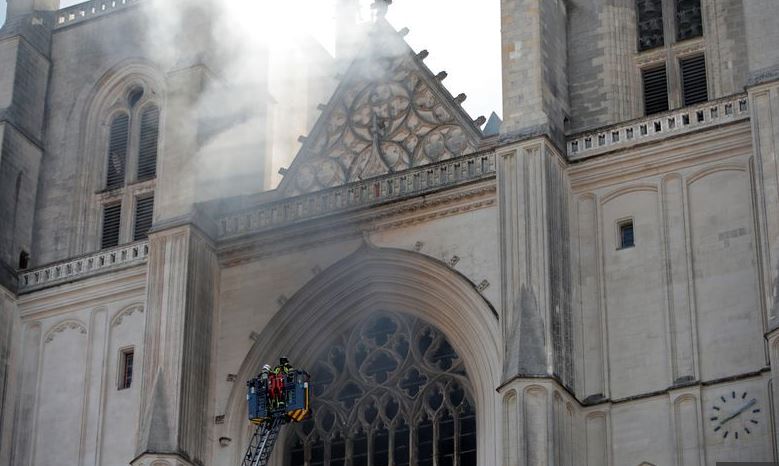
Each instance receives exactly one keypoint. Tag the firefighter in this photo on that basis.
(276, 387)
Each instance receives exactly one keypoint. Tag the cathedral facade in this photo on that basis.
(591, 281)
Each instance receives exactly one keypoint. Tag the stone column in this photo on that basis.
(539, 422)
(773, 348)
(9, 330)
(27, 374)
(535, 81)
(535, 276)
(763, 89)
(762, 40)
(181, 293)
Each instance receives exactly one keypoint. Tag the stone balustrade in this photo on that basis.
(392, 187)
(113, 259)
(654, 127)
(90, 9)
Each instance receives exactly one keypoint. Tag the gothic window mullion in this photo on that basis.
(413, 445)
(456, 421)
(386, 381)
(436, 436)
(371, 437)
(349, 451)
(391, 453)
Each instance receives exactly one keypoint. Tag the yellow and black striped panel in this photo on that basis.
(298, 415)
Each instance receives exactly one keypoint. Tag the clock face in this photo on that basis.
(734, 415)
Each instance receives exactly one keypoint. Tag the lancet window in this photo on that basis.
(390, 390)
(127, 201)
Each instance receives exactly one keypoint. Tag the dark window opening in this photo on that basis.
(117, 151)
(626, 235)
(24, 260)
(694, 88)
(147, 148)
(423, 417)
(134, 96)
(111, 220)
(144, 210)
(655, 90)
(650, 24)
(126, 369)
(689, 21)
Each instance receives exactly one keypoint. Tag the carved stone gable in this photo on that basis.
(388, 114)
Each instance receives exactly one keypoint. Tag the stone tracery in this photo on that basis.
(388, 118)
(394, 389)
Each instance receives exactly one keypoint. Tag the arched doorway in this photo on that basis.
(390, 389)
(417, 290)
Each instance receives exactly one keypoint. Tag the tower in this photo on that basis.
(21, 7)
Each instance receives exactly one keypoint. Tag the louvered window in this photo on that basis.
(117, 151)
(694, 80)
(650, 24)
(111, 219)
(655, 90)
(147, 149)
(144, 209)
(689, 22)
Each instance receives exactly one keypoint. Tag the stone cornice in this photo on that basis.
(413, 183)
(88, 10)
(352, 225)
(659, 127)
(665, 155)
(94, 291)
(107, 260)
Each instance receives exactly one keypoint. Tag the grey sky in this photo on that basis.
(462, 36)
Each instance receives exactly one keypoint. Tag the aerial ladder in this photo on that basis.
(275, 397)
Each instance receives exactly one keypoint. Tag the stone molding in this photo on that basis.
(158, 459)
(658, 127)
(69, 324)
(351, 225)
(88, 10)
(108, 260)
(410, 183)
(404, 280)
(126, 312)
(663, 157)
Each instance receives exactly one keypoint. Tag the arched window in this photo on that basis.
(131, 168)
(147, 147)
(118, 139)
(389, 390)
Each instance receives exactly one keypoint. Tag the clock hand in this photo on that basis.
(751, 403)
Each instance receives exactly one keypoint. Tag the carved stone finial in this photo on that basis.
(441, 76)
(480, 121)
(460, 98)
(403, 32)
(381, 7)
(423, 54)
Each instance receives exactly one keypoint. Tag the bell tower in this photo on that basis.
(22, 7)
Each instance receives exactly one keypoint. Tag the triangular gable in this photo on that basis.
(388, 114)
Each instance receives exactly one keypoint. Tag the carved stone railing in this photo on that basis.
(353, 196)
(655, 127)
(87, 10)
(113, 259)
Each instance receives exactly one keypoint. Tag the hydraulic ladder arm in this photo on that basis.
(262, 442)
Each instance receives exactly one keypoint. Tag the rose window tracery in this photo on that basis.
(391, 390)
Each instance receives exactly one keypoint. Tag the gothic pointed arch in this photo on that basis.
(109, 130)
(412, 292)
